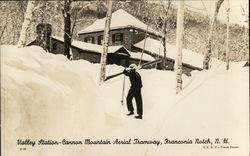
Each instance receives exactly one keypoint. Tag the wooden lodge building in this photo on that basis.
(125, 30)
(92, 52)
(127, 41)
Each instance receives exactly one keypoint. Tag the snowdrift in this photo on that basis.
(213, 104)
(45, 96)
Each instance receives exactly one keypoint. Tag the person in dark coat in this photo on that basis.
(134, 91)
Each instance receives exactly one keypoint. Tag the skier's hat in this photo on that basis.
(133, 66)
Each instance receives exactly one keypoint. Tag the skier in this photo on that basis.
(134, 91)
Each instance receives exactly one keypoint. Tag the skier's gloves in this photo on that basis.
(127, 69)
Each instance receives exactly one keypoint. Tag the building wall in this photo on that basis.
(130, 37)
(85, 55)
(126, 37)
(186, 70)
(81, 37)
(57, 48)
(136, 61)
(94, 57)
(119, 59)
(139, 35)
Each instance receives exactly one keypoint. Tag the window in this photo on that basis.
(89, 39)
(100, 39)
(117, 38)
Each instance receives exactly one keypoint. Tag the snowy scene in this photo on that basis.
(132, 78)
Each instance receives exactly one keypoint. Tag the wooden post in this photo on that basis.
(105, 44)
(179, 42)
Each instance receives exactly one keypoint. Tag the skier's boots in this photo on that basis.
(138, 117)
(130, 113)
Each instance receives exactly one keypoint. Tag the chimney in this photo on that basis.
(43, 31)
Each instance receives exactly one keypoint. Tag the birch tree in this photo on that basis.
(166, 10)
(208, 54)
(26, 24)
(179, 42)
(105, 43)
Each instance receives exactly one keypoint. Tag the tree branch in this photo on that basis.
(3, 29)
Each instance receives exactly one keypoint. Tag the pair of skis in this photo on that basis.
(141, 67)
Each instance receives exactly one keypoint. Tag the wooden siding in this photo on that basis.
(129, 38)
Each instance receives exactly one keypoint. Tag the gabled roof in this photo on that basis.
(189, 57)
(92, 47)
(137, 55)
(111, 49)
(119, 19)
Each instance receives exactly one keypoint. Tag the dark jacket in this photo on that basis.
(135, 79)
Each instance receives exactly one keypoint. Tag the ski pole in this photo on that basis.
(123, 87)
(141, 67)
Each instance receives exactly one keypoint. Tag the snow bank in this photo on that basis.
(45, 96)
(213, 104)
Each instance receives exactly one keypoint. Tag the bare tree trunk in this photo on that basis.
(14, 32)
(165, 33)
(227, 50)
(2, 32)
(164, 44)
(26, 24)
(105, 44)
(179, 42)
(208, 54)
(67, 29)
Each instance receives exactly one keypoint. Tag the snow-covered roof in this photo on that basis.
(99, 49)
(120, 19)
(188, 57)
(137, 55)
(90, 47)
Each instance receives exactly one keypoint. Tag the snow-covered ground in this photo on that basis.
(45, 96)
